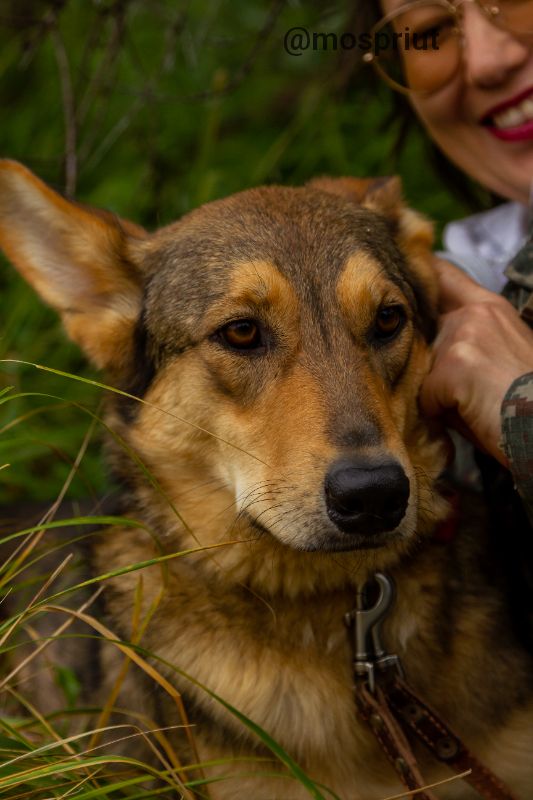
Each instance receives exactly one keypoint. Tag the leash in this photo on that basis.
(390, 707)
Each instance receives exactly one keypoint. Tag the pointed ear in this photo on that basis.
(413, 234)
(351, 188)
(385, 195)
(381, 194)
(412, 231)
(80, 261)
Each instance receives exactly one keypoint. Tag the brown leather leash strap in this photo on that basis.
(441, 741)
(390, 706)
(374, 709)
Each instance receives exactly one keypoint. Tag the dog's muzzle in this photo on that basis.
(366, 496)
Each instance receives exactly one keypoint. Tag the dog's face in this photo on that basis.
(284, 333)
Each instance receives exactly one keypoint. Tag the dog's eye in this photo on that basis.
(389, 321)
(243, 334)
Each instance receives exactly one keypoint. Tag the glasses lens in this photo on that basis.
(418, 48)
(515, 16)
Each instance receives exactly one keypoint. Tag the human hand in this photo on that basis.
(481, 348)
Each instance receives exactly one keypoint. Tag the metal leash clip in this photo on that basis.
(370, 659)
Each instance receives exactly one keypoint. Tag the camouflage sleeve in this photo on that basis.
(517, 436)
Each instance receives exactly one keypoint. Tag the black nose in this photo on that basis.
(366, 496)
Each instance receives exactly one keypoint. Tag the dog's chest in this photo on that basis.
(287, 666)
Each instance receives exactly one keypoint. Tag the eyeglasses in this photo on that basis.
(418, 47)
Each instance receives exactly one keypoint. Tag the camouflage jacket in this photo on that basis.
(517, 406)
(517, 436)
(483, 245)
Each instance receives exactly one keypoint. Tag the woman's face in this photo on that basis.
(482, 119)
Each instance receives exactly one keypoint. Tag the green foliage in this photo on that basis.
(69, 684)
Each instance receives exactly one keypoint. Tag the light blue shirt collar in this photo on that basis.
(483, 244)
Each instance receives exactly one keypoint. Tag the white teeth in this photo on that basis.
(518, 115)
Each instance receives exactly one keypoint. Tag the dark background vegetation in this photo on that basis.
(149, 108)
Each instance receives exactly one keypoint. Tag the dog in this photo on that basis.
(276, 341)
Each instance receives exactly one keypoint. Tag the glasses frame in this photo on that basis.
(490, 10)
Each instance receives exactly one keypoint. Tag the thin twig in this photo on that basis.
(69, 112)
(414, 792)
(103, 72)
(61, 629)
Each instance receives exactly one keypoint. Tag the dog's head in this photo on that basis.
(282, 331)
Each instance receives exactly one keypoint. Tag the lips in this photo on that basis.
(512, 120)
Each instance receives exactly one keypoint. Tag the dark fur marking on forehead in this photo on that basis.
(307, 234)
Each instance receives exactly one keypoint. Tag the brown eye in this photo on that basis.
(389, 321)
(243, 334)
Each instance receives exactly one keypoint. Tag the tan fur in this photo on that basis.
(238, 447)
(75, 259)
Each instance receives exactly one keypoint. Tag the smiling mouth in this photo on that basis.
(515, 116)
(511, 118)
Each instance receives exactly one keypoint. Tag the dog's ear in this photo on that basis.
(382, 194)
(351, 188)
(414, 236)
(412, 231)
(80, 261)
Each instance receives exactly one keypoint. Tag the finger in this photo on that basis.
(435, 396)
(457, 288)
(449, 331)
(434, 404)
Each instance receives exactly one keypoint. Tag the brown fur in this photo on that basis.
(240, 445)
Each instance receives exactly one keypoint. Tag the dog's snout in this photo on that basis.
(365, 496)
